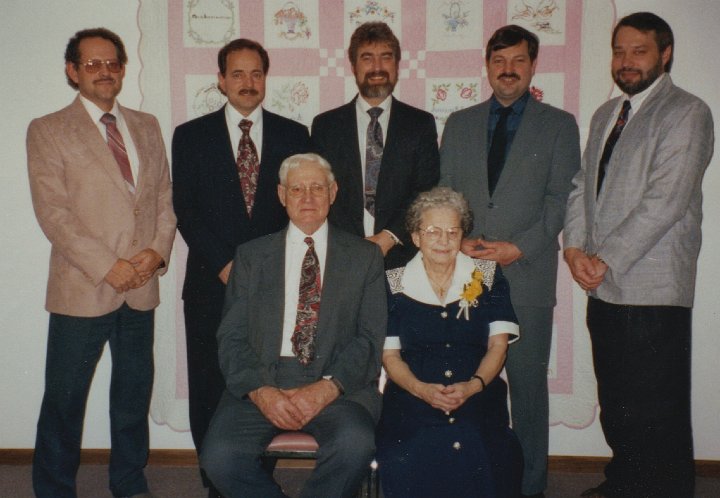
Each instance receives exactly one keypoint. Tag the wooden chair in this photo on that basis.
(296, 444)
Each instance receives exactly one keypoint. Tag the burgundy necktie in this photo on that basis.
(117, 147)
(308, 309)
(248, 165)
(611, 141)
(373, 158)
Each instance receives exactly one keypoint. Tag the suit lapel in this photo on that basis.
(272, 286)
(531, 120)
(83, 125)
(336, 263)
(349, 142)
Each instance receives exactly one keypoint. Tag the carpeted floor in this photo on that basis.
(184, 482)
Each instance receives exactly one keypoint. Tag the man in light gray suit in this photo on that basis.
(300, 344)
(513, 158)
(632, 237)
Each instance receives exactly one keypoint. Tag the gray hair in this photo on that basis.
(296, 160)
(439, 197)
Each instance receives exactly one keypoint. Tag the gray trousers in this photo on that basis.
(239, 433)
(526, 368)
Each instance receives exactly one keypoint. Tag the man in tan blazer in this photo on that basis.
(102, 195)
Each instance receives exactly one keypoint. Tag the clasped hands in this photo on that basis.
(587, 270)
(292, 409)
(133, 273)
(446, 398)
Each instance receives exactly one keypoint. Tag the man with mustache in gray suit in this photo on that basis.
(632, 237)
(515, 172)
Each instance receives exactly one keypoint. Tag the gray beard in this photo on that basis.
(375, 91)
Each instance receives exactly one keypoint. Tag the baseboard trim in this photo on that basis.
(188, 458)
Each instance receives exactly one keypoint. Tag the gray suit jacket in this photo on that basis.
(528, 205)
(645, 223)
(351, 327)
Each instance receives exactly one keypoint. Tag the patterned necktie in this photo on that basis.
(373, 158)
(611, 141)
(117, 147)
(308, 309)
(496, 156)
(248, 165)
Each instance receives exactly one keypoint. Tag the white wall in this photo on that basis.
(33, 34)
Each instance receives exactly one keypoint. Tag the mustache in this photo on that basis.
(509, 75)
(628, 70)
(373, 74)
(100, 80)
(248, 91)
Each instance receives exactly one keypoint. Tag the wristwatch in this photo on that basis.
(336, 382)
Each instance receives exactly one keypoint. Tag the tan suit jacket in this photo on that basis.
(87, 212)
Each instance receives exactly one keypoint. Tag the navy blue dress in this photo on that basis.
(472, 452)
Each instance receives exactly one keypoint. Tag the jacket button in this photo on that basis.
(491, 205)
(443, 314)
(451, 420)
(448, 373)
(136, 211)
(457, 445)
(134, 242)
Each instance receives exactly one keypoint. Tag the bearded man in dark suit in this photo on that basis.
(381, 163)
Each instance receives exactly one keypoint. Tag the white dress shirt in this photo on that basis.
(295, 249)
(363, 121)
(233, 118)
(96, 113)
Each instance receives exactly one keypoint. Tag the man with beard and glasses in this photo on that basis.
(383, 152)
(225, 168)
(632, 237)
(514, 158)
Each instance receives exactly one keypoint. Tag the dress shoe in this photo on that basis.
(536, 495)
(147, 494)
(214, 493)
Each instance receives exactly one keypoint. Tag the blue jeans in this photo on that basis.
(75, 344)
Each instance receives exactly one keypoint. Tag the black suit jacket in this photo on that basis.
(208, 200)
(410, 165)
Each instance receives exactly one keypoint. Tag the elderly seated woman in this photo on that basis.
(444, 426)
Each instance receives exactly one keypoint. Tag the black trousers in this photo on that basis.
(641, 356)
(75, 344)
(205, 380)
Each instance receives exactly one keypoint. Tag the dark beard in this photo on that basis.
(643, 83)
(370, 91)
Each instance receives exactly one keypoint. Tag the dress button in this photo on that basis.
(134, 242)
(457, 445)
(448, 373)
(451, 420)
(443, 314)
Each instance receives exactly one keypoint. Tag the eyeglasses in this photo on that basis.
(315, 189)
(93, 65)
(433, 233)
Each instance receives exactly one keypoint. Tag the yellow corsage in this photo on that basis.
(471, 291)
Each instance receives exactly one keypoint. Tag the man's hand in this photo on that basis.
(277, 407)
(313, 398)
(384, 240)
(123, 276)
(224, 274)
(146, 263)
(504, 253)
(587, 271)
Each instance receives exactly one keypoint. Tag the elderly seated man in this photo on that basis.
(300, 345)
